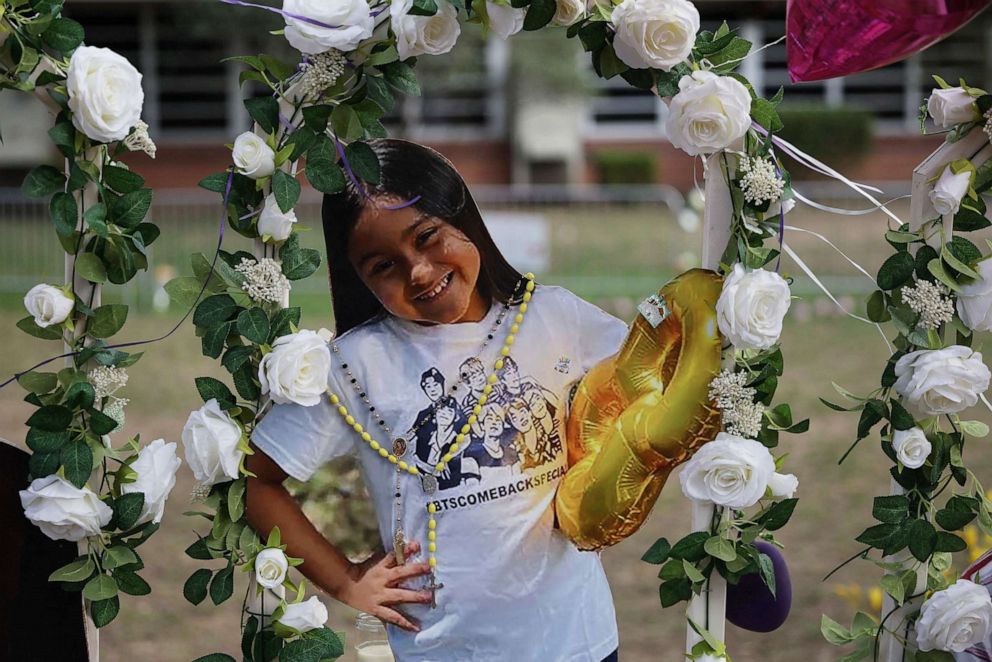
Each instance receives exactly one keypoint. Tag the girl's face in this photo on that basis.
(420, 267)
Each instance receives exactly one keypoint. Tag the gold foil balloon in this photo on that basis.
(639, 414)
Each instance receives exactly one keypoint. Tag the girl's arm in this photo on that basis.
(372, 586)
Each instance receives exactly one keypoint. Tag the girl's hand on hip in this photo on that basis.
(375, 587)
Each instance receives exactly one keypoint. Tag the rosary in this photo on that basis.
(401, 444)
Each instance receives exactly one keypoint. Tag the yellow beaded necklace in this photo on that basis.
(399, 447)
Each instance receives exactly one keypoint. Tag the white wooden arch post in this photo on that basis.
(974, 147)
(709, 608)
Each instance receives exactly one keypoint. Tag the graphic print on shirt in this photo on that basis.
(515, 432)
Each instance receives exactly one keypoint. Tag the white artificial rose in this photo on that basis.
(210, 441)
(504, 19)
(955, 619)
(253, 157)
(273, 223)
(975, 299)
(63, 511)
(952, 106)
(351, 20)
(941, 381)
(568, 12)
(271, 566)
(728, 471)
(709, 113)
(105, 94)
(912, 447)
(156, 467)
(424, 35)
(654, 34)
(751, 307)
(950, 190)
(48, 305)
(296, 369)
(307, 615)
(783, 486)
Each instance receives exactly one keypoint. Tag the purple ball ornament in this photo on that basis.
(751, 606)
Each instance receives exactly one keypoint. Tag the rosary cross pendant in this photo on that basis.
(434, 588)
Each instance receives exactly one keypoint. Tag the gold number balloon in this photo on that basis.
(639, 414)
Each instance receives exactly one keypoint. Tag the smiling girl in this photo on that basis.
(477, 568)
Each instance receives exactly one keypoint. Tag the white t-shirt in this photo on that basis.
(515, 588)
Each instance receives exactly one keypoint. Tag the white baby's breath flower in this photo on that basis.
(139, 140)
(264, 280)
(931, 302)
(107, 379)
(988, 123)
(760, 182)
(320, 71)
(200, 492)
(741, 414)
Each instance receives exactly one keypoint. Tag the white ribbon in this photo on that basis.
(844, 212)
(820, 167)
(809, 272)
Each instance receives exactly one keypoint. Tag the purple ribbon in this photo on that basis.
(135, 343)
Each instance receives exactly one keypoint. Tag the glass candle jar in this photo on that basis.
(370, 643)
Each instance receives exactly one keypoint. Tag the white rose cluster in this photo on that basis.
(504, 19)
(912, 447)
(156, 467)
(955, 619)
(63, 511)
(252, 157)
(297, 367)
(348, 23)
(273, 222)
(709, 113)
(735, 472)
(975, 299)
(568, 12)
(751, 307)
(950, 190)
(941, 381)
(424, 35)
(304, 616)
(952, 106)
(271, 566)
(654, 34)
(210, 441)
(48, 304)
(105, 94)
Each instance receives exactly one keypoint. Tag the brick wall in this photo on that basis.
(488, 162)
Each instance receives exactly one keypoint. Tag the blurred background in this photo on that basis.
(579, 184)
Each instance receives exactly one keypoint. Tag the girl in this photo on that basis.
(478, 572)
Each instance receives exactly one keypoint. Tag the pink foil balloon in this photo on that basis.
(830, 38)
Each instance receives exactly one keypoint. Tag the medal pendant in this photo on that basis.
(399, 547)
(428, 483)
(399, 447)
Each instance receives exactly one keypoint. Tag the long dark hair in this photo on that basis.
(408, 170)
